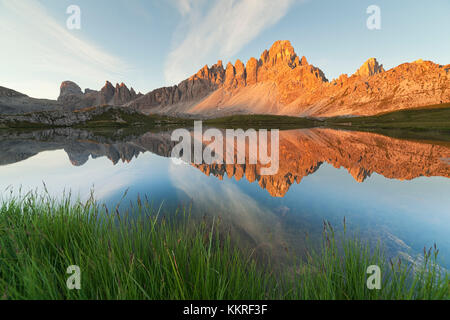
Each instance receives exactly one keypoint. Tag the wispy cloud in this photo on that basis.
(33, 41)
(221, 26)
(183, 6)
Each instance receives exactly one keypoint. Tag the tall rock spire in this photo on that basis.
(370, 68)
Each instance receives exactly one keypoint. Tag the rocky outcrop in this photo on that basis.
(251, 71)
(230, 75)
(370, 68)
(188, 92)
(106, 93)
(66, 118)
(69, 88)
(71, 95)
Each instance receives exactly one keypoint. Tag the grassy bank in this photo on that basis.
(141, 255)
(101, 117)
(258, 121)
(431, 122)
(428, 123)
(120, 119)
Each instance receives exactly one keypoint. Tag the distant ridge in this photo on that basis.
(279, 82)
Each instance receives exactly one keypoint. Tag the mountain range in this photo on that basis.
(279, 82)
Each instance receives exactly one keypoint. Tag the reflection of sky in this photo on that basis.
(416, 212)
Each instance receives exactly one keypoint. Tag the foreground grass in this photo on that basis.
(141, 255)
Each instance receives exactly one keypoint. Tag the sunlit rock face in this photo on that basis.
(369, 68)
(280, 82)
(301, 153)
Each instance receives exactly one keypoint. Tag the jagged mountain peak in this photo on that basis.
(281, 51)
(280, 65)
(72, 95)
(108, 85)
(370, 68)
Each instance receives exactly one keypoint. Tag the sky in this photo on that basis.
(152, 43)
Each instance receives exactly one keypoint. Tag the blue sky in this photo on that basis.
(152, 43)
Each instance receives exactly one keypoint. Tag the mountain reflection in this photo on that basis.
(302, 152)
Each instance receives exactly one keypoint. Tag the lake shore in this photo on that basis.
(427, 123)
(143, 255)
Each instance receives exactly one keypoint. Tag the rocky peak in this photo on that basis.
(251, 70)
(281, 52)
(304, 62)
(123, 95)
(108, 87)
(72, 96)
(203, 73)
(240, 73)
(106, 93)
(230, 75)
(217, 73)
(214, 75)
(70, 88)
(370, 68)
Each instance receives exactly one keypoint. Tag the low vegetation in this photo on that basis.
(118, 118)
(428, 123)
(95, 117)
(263, 121)
(431, 122)
(140, 255)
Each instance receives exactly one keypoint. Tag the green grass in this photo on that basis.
(427, 123)
(263, 121)
(123, 119)
(141, 255)
(431, 122)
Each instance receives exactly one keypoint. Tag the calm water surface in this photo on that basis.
(396, 191)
